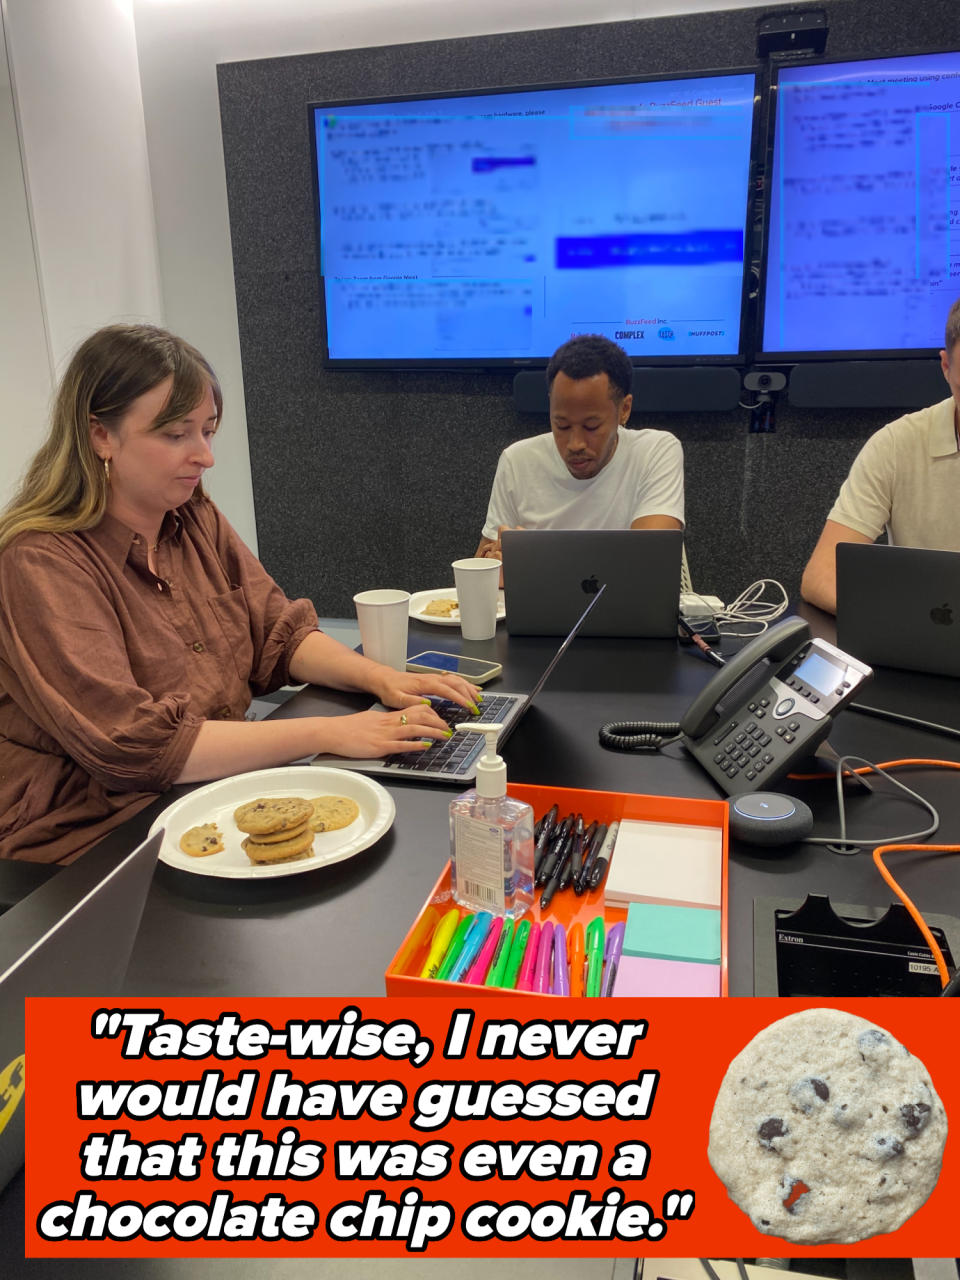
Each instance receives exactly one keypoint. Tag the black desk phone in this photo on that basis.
(770, 706)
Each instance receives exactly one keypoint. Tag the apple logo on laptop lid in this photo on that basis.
(942, 616)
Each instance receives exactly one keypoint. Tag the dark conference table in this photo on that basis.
(341, 925)
(333, 931)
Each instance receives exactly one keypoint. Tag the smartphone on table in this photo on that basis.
(476, 670)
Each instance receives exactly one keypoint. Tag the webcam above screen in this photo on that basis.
(487, 229)
(863, 236)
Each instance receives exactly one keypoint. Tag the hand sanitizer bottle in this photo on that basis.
(491, 839)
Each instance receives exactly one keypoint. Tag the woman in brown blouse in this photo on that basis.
(134, 623)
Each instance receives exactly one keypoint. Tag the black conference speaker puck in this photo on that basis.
(764, 817)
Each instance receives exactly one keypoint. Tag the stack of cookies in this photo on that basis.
(278, 829)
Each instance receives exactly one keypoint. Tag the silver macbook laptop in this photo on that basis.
(548, 573)
(72, 936)
(455, 759)
(899, 606)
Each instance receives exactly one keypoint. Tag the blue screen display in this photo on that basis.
(864, 234)
(496, 227)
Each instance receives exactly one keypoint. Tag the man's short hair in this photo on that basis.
(589, 354)
(952, 336)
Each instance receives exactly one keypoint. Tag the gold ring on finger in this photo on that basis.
(403, 719)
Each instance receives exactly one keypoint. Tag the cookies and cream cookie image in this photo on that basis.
(827, 1130)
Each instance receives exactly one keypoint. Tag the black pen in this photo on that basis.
(546, 823)
(550, 860)
(596, 844)
(540, 852)
(554, 882)
(599, 868)
(576, 862)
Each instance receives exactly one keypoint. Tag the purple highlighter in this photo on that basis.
(561, 977)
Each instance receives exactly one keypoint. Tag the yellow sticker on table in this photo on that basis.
(11, 1090)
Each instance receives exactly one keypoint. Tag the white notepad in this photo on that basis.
(665, 862)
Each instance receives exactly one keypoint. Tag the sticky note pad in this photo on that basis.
(639, 976)
(661, 932)
(665, 862)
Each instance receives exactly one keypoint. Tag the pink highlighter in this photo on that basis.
(543, 974)
(478, 970)
(525, 980)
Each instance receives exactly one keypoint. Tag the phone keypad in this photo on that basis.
(743, 752)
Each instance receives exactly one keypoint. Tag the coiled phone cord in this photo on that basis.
(638, 735)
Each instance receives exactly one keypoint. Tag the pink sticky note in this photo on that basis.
(640, 976)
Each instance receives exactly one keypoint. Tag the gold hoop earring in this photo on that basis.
(106, 469)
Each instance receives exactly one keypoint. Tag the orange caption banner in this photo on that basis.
(219, 1129)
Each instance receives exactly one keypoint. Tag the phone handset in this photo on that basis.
(771, 706)
(775, 646)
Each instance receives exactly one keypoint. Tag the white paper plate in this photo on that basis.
(217, 802)
(420, 601)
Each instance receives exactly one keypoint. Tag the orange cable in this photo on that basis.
(884, 764)
(881, 849)
(906, 900)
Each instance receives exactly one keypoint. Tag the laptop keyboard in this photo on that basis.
(453, 755)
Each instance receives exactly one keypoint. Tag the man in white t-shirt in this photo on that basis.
(905, 479)
(589, 471)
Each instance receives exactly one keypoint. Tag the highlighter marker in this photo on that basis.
(478, 970)
(455, 947)
(594, 945)
(576, 959)
(439, 943)
(471, 945)
(500, 957)
(561, 979)
(612, 951)
(517, 948)
(525, 980)
(543, 968)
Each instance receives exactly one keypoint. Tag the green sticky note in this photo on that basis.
(662, 932)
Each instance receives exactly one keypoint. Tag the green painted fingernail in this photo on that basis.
(425, 702)
(475, 709)
(427, 742)
(448, 734)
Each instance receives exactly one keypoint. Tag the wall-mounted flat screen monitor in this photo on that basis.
(489, 228)
(863, 240)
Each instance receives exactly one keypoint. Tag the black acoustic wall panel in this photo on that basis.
(375, 479)
(867, 384)
(677, 390)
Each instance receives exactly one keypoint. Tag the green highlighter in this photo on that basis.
(455, 947)
(515, 960)
(499, 962)
(594, 949)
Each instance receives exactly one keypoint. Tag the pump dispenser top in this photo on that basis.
(491, 837)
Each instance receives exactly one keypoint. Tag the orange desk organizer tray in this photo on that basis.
(402, 976)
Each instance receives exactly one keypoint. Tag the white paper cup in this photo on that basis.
(478, 581)
(383, 617)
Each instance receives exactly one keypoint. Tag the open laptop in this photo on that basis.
(547, 574)
(899, 606)
(455, 759)
(72, 936)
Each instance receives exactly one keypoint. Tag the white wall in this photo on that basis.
(120, 137)
(93, 257)
(25, 378)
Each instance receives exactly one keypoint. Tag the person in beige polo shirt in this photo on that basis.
(905, 479)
